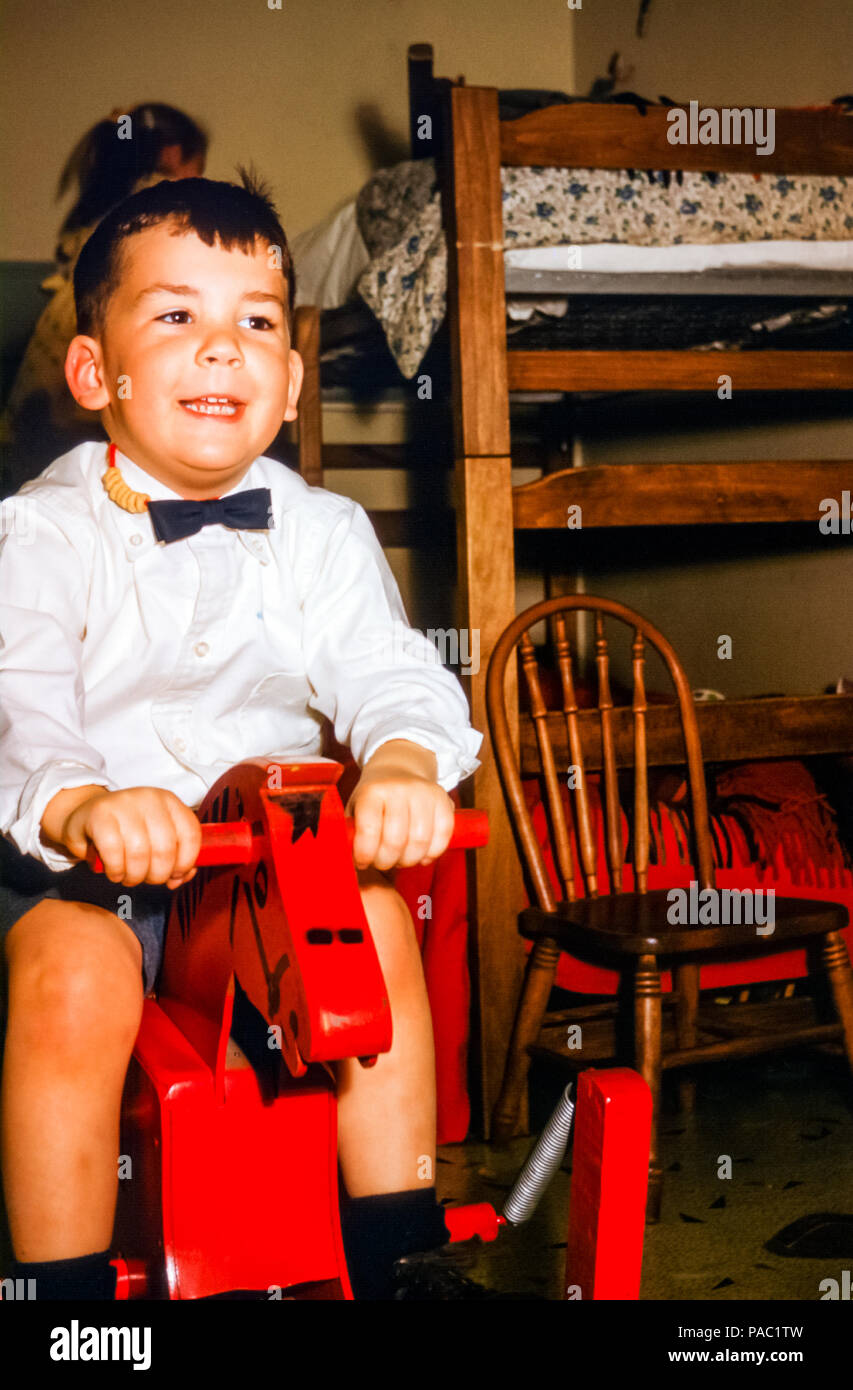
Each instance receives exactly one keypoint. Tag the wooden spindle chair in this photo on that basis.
(628, 930)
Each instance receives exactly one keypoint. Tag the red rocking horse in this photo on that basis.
(230, 1169)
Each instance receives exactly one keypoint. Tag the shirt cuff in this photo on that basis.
(455, 756)
(39, 791)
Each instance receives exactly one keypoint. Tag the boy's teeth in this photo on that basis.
(212, 405)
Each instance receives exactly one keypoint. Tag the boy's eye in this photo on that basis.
(254, 321)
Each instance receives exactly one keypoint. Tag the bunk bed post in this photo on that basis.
(309, 427)
(423, 101)
(471, 188)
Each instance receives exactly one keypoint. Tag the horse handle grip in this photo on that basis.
(231, 842)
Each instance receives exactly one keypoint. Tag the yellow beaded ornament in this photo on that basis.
(118, 490)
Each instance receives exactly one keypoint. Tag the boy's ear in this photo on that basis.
(297, 371)
(84, 372)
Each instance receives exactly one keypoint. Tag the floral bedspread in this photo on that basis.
(399, 216)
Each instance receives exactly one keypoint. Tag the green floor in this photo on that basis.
(786, 1123)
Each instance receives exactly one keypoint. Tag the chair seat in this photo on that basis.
(637, 924)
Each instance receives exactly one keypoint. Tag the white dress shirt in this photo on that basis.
(130, 662)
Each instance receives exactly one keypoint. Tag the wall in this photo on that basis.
(314, 92)
(754, 52)
(783, 595)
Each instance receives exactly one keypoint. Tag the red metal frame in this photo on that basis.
(610, 1174)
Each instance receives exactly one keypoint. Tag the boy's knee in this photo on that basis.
(74, 978)
(381, 901)
(392, 929)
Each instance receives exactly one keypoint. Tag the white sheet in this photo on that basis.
(330, 256)
(328, 259)
(610, 258)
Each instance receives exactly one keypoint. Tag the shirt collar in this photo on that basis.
(136, 529)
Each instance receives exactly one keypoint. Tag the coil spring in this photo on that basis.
(542, 1163)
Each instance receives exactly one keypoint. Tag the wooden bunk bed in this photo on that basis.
(473, 145)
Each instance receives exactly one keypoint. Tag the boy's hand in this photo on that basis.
(143, 834)
(402, 816)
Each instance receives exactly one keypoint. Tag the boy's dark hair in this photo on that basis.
(215, 211)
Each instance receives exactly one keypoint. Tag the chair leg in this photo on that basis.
(686, 983)
(647, 1045)
(538, 983)
(836, 963)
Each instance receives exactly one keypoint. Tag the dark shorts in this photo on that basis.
(24, 881)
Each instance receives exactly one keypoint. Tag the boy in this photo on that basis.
(142, 657)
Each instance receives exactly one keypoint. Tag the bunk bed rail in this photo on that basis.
(589, 135)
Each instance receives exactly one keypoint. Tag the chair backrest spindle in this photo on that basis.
(583, 818)
(641, 770)
(539, 713)
(613, 820)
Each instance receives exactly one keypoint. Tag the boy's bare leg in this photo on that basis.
(386, 1113)
(75, 1003)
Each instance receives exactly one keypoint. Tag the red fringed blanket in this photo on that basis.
(771, 828)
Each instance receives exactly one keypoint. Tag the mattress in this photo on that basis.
(399, 216)
(609, 258)
(555, 280)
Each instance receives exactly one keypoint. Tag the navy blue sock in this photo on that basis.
(379, 1230)
(86, 1277)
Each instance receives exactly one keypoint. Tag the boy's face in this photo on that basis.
(190, 321)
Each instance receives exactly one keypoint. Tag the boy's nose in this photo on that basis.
(221, 348)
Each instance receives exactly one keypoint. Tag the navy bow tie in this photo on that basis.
(243, 511)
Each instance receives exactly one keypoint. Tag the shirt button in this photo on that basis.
(136, 539)
(180, 745)
(201, 649)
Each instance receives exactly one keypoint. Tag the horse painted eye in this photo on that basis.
(261, 884)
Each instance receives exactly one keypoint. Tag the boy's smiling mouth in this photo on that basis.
(215, 407)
